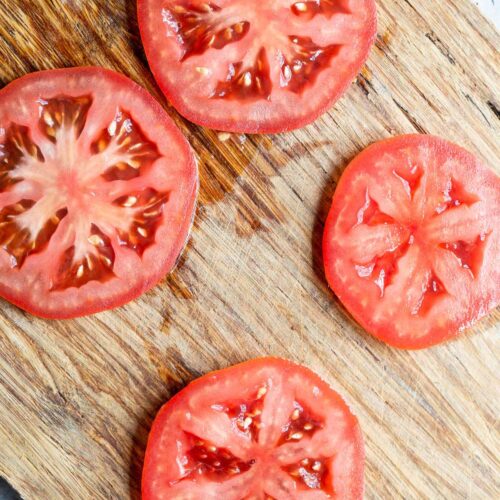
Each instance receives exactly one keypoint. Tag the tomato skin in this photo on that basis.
(355, 474)
(335, 257)
(90, 305)
(277, 124)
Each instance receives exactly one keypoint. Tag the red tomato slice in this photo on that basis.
(97, 192)
(265, 429)
(255, 65)
(412, 242)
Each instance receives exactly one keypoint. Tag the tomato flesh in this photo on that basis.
(97, 192)
(411, 244)
(266, 429)
(255, 66)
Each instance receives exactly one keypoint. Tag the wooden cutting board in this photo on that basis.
(77, 397)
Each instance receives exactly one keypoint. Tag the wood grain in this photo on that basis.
(77, 397)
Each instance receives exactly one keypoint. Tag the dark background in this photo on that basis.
(7, 492)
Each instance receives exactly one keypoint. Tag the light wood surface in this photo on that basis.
(77, 398)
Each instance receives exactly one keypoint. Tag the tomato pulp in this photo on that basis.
(97, 192)
(265, 429)
(255, 66)
(412, 242)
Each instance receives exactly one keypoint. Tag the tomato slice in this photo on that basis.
(412, 242)
(265, 429)
(255, 66)
(97, 192)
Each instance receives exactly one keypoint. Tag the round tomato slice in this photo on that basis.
(97, 192)
(265, 429)
(412, 242)
(255, 66)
